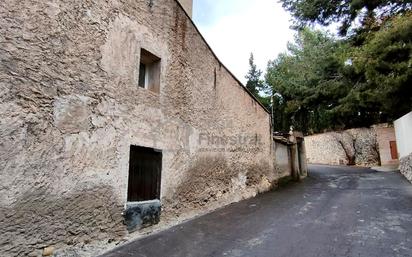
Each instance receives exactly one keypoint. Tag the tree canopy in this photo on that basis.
(350, 14)
(309, 82)
(255, 84)
(325, 83)
(385, 63)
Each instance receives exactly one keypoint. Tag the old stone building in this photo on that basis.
(112, 111)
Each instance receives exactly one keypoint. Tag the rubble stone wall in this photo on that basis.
(350, 147)
(406, 166)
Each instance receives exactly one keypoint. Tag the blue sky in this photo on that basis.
(235, 28)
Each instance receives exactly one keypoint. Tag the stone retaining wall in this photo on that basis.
(406, 167)
(350, 147)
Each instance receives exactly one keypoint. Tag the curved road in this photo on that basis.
(336, 211)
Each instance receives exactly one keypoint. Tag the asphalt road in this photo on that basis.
(336, 211)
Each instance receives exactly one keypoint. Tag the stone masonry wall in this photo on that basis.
(70, 108)
(406, 167)
(350, 147)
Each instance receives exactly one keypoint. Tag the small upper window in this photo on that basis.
(149, 71)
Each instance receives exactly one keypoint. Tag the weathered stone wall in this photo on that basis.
(283, 159)
(405, 166)
(350, 147)
(70, 108)
(290, 156)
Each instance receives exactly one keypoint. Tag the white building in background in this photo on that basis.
(403, 130)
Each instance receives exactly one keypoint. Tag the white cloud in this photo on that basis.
(259, 26)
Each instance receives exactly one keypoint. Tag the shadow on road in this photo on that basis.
(336, 211)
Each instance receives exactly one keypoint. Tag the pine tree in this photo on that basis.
(254, 82)
(368, 13)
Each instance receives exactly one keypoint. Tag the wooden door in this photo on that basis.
(394, 150)
(145, 167)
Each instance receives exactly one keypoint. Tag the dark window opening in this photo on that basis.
(149, 71)
(145, 167)
(142, 75)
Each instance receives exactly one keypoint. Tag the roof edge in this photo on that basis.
(220, 63)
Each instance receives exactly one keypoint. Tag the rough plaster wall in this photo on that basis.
(353, 146)
(40, 219)
(406, 167)
(213, 178)
(70, 108)
(282, 158)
